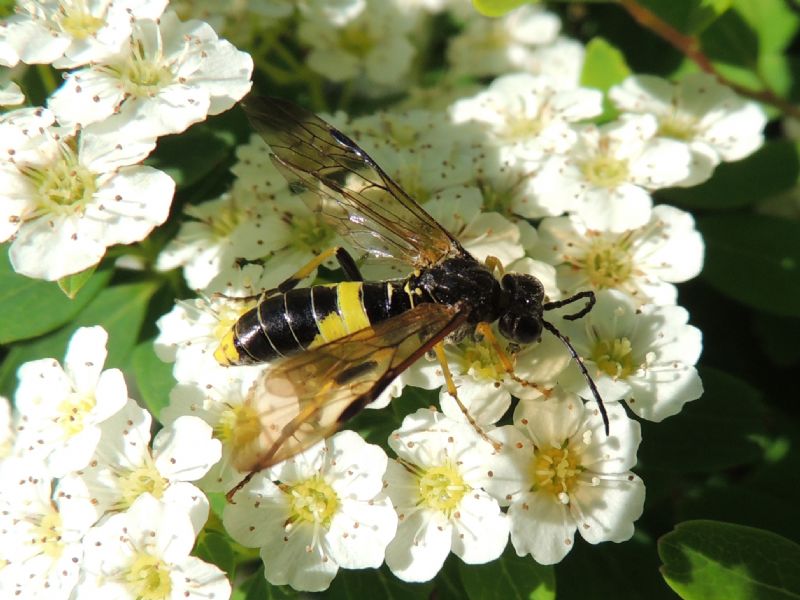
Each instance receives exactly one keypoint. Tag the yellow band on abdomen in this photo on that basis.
(351, 307)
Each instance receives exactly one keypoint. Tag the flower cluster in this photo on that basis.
(521, 165)
(73, 179)
(90, 505)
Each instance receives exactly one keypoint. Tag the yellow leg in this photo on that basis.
(485, 330)
(494, 263)
(451, 389)
(342, 256)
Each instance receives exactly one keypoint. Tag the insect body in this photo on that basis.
(340, 345)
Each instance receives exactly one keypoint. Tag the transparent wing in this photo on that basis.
(356, 195)
(305, 398)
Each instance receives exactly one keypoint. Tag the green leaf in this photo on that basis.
(709, 560)
(31, 307)
(689, 16)
(604, 67)
(754, 259)
(703, 13)
(191, 156)
(449, 585)
(375, 583)
(766, 506)
(72, 284)
(626, 571)
(774, 21)
(497, 8)
(153, 377)
(730, 39)
(773, 169)
(510, 576)
(119, 309)
(256, 587)
(778, 337)
(727, 418)
(214, 547)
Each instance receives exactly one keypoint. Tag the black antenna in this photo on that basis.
(552, 329)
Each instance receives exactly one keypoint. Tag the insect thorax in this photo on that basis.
(464, 281)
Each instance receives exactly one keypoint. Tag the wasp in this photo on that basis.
(336, 347)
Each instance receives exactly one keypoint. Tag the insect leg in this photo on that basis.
(342, 256)
(451, 388)
(485, 330)
(494, 263)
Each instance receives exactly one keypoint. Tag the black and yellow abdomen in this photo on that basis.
(287, 323)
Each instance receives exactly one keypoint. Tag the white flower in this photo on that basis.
(123, 466)
(606, 176)
(144, 553)
(72, 33)
(483, 234)
(10, 93)
(645, 356)
(191, 332)
(527, 116)
(480, 375)
(224, 403)
(41, 551)
(560, 473)
(715, 123)
(255, 170)
(221, 231)
(6, 428)
(420, 149)
(235, 18)
(61, 409)
(338, 12)
(497, 46)
(373, 46)
(435, 487)
(324, 513)
(562, 61)
(642, 262)
(168, 76)
(66, 197)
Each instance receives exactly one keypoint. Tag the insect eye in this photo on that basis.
(520, 328)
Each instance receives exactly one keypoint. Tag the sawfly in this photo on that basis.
(335, 347)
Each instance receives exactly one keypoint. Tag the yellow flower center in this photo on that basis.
(148, 578)
(78, 22)
(605, 171)
(47, 535)
(238, 427)
(64, 186)
(677, 127)
(225, 220)
(145, 479)
(312, 501)
(310, 234)
(614, 357)
(520, 128)
(442, 488)
(555, 471)
(72, 411)
(357, 40)
(141, 76)
(481, 359)
(607, 264)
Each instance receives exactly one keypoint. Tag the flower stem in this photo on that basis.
(689, 45)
